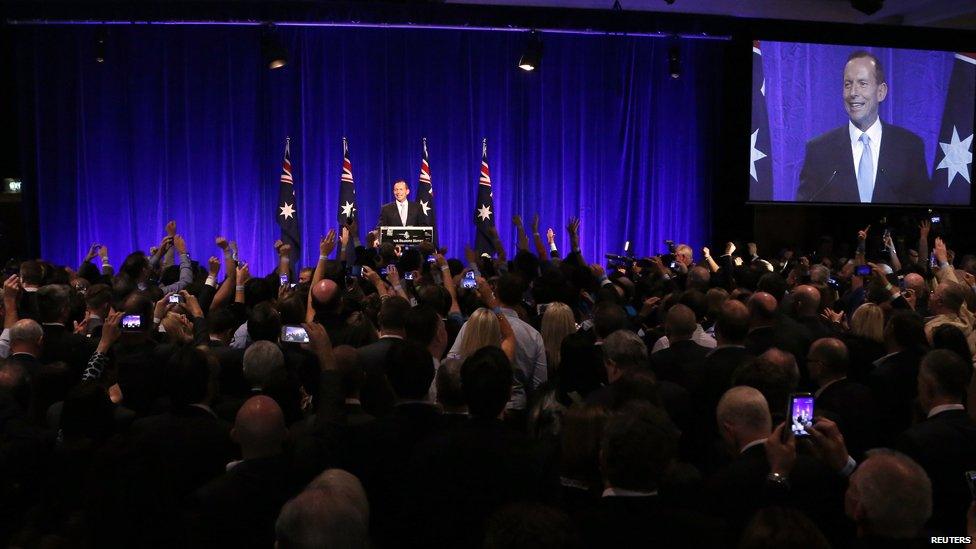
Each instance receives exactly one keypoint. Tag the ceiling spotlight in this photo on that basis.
(272, 50)
(674, 62)
(867, 7)
(101, 36)
(532, 54)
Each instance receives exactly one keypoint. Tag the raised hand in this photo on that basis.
(924, 226)
(550, 236)
(243, 274)
(517, 221)
(573, 226)
(92, 252)
(320, 344)
(862, 235)
(828, 443)
(180, 244)
(11, 288)
(277, 245)
(284, 250)
(706, 252)
(598, 270)
(535, 224)
(171, 228)
(221, 243)
(889, 244)
(328, 243)
(392, 275)
(111, 330)
(470, 255)
(103, 252)
(213, 266)
(941, 254)
(729, 248)
(344, 236)
(372, 276)
(831, 316)
(780, 453)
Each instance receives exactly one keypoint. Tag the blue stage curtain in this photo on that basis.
(184, 123)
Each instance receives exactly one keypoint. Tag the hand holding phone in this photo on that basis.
(293, 333)
(176, 298)
(468, 282)
(800, 414)
(131, 323)
(863, 270)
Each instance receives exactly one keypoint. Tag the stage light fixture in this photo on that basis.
(101, 36)
(532, 54)
(274, 52)
(867, 7)
(674, 62)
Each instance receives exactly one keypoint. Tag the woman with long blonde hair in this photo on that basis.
(557, 323)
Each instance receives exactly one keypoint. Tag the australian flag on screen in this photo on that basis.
(425, 192)
(347, 192)
(760, 162)
(287, 212)
(953, 171)
(484, 214)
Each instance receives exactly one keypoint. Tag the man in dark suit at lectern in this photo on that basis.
(865, 161)
(400, 212)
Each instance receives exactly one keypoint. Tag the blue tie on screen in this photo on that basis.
(865, 170)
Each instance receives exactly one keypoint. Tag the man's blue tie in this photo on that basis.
(865, 171)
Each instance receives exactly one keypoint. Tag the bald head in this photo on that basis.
(25, 337)
(827, 359)
(680, 323)
(699, 278)
(743, 416)
(325, 291)
(806, 300)
(259, 427)
(889, 495)
(916, 282)
(762, 309)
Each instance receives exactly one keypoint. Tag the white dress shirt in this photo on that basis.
(402, 208)
(857, 147)
(700, 337)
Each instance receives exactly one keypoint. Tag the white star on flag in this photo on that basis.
(287, 211)
(347, 209)
(484, 212)
(957, 157)
(756, 154)
(762, 89)
(425, 206)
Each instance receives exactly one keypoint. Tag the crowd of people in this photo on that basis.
(392, 397)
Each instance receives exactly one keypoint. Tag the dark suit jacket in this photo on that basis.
(741, 489)
(239, 508)
(828, 169)
(894, 382)
(682, 363)
(851, 405)
(377, 395)
(644, 521)
(390, 215)
(61, 344)
(945, 446)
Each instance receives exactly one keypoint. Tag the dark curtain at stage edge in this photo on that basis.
(184, 123)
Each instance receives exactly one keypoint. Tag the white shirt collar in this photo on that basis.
(874, 132)
(945, 408)
(828, 384)
(624, 493)
(756, 442)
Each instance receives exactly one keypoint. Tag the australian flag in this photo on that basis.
(484, 216)
(287, 212)
(760, 162)
(953, 172)
(425, 192)
(347, 192)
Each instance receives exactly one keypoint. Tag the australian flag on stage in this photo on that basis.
(760, 161)
(425, 192)
(484, 216)
(286, 213)
(347, 192)
(953, 172)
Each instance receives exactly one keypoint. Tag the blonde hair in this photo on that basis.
(557, 323)
(868, 322)
(482, 330)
